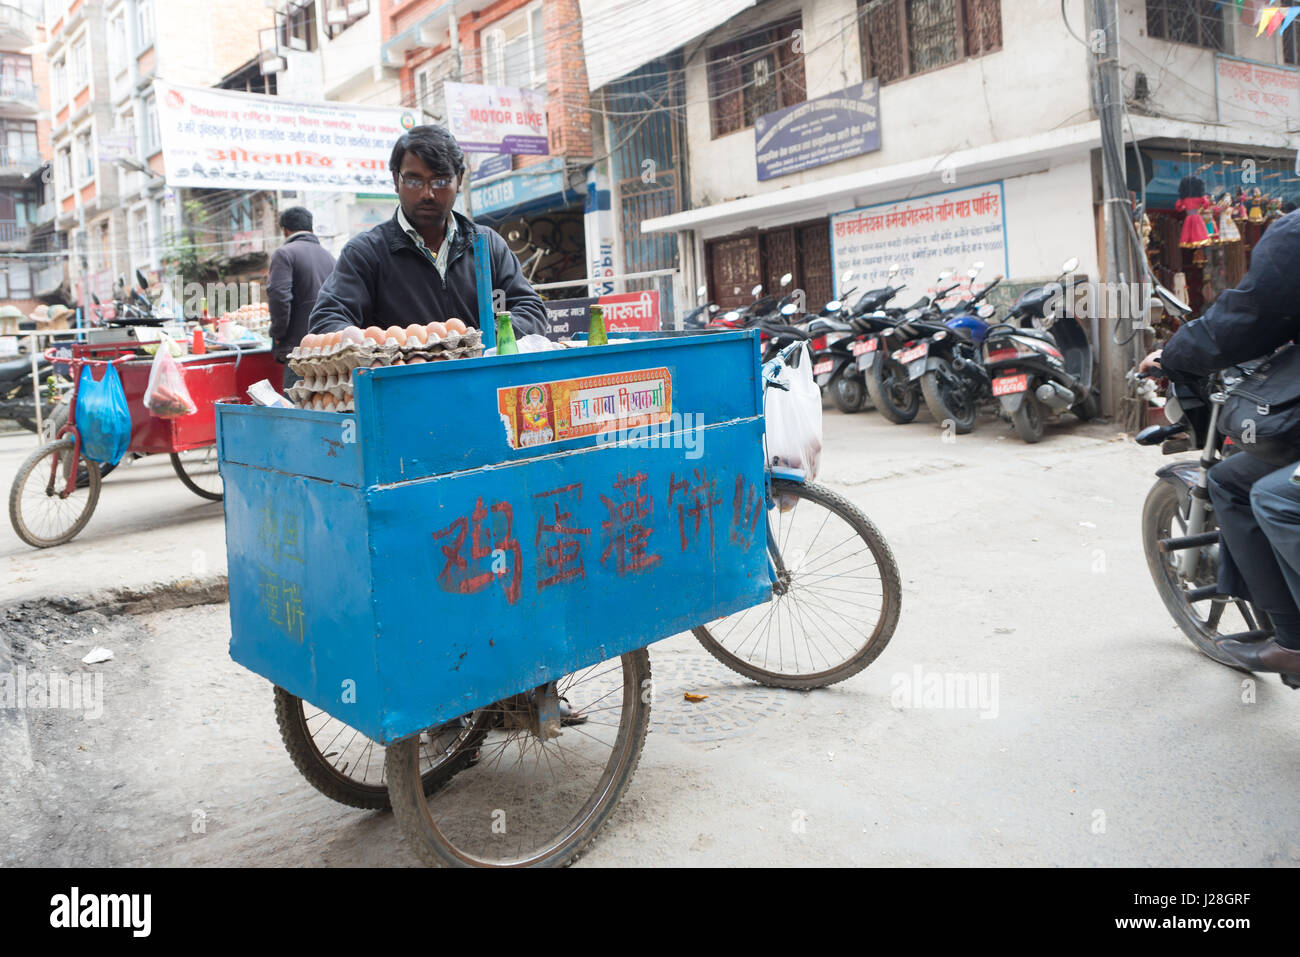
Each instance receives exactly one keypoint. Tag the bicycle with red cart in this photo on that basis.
(57, 488)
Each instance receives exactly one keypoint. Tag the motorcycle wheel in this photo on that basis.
(849, 394)
(946, 399)
(1089, 408)
(1029, 419)
(1200, 621)
(893, 396)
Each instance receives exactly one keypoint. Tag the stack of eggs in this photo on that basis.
(326, 360)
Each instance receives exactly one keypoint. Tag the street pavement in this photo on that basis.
(1104, 739)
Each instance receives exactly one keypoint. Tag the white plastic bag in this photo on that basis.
(794, 414)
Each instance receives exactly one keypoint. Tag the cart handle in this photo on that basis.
(50, 356)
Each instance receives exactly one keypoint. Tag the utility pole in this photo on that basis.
(1113, 359)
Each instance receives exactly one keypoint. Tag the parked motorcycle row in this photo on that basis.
(949, 350)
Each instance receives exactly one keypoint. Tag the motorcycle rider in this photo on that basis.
(1246, 322)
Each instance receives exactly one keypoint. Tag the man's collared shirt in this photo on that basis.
(439, 261)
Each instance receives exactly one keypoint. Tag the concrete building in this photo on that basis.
(978, 105)
(26, 215)
(537, 202)
(110, 183)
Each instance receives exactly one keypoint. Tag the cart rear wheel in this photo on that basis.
(348, 767)
(530, 800)
(197, 468)
(833, 609)
(38, 511)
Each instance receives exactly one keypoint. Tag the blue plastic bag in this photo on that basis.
(103, 418)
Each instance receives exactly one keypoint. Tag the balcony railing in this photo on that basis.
(18, 91)
(11, 231)
(19, 160)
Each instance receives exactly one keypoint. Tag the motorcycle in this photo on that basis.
(1037, 372)
(953, 381)
(698, 318)
(1180, 535)
(837, 362)
(892, 362)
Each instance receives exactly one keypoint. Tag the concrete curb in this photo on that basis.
(136, 600)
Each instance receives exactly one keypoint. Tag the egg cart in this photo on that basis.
(467, 570)
(56, 489)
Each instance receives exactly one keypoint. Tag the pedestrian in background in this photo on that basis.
(298, 269)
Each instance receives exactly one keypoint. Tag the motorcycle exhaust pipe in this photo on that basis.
(1055, 396)
(969, 367)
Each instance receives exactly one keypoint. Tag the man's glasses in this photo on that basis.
(419, 185)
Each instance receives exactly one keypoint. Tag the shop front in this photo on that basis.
(540, 216)
(1207, 207)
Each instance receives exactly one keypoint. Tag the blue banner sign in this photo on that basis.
(825, 130)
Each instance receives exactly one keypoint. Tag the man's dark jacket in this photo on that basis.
(382, 279)
(298, 269)
(1260, 314)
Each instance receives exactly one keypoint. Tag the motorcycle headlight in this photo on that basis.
(940, 336)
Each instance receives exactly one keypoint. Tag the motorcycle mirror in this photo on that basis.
(756, 291)
(141, 281)
(894, 269)
(789, 309)
(978, 265)
(786, 279)
(731, 316)
(1171, 302)
(986, 311)
(945, 274)
(714, 308)
(846, 276)
(1070, 265)
(95, 298)
(834, 305)
(700, 292)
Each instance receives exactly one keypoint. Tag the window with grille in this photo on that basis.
(902, 37)
(760, 72)
(1198, 22)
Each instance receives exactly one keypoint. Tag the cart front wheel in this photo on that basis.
(197, 468)
(542, 786)
(39, 510)
(835, 602)
(346, 766)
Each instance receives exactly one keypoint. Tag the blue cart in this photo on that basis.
(468, 570)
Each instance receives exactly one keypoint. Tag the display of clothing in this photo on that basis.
(1194, 234)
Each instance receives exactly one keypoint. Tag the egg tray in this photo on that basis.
(317, 402)
(341, 358)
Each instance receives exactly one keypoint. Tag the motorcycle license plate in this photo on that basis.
(909, 358)
(1010, 385)
(826, 365)
(861, 348)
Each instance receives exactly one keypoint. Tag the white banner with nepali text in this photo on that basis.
(924, 236)
(216, 139)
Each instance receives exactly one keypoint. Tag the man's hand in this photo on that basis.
(1150, 364)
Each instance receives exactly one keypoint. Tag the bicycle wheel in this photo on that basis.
(38, 510)
(197, 468)
(532, 799)
(835, 604)
(343, 764)
(1203, 622)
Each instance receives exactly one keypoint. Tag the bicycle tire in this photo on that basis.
(469, 807)
(34, 464)
(335, 782)
(178, 466)
(1158, 516)
(860, 657)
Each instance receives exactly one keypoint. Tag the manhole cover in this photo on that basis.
(734, 704)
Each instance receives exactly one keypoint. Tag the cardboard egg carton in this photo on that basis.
(326, 402)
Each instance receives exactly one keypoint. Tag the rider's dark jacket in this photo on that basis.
(1251, 320)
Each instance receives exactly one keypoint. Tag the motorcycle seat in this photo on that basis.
(822, 325)
(15, 368)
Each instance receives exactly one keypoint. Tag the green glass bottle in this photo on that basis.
(506, 345)
(596, 332)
